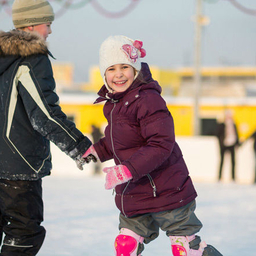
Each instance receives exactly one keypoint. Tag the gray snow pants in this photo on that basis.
(178, 222)
(21, 213)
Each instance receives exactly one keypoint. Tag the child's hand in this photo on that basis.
(90, 155)
(116, 175)
(80, 161)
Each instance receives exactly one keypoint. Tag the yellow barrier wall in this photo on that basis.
(85, 114)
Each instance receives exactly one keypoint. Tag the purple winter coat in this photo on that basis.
(140, 135)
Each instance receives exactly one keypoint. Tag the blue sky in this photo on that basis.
(166, 28)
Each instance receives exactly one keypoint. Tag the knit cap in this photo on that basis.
(120, 50)
(31, 12)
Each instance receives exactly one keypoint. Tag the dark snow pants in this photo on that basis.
(21, 213)
(223, 151)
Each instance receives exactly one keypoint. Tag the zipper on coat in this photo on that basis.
(122, 199)
(153, 185)
(111, 131)
(113, 148)
(111, 136)
(114, 152)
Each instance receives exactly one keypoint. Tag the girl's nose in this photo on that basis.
(119, 74)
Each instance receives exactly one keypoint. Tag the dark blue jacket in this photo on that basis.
(29, 110)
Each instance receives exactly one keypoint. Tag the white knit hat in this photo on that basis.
(120, 50)
(31, 12)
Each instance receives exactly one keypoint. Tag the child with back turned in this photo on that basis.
(151, 180)
(31, 118)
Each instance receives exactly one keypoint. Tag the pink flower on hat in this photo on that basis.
(138, 45)
(132, 50)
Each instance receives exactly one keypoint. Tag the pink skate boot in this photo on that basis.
(180, 246)
(192, 246)
(127, 243)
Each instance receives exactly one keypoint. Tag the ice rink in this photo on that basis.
(81, 218)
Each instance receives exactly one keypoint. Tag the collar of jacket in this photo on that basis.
(21, 43)
(106, 95)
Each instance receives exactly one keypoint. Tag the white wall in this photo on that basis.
(200, 153)
(202, 157)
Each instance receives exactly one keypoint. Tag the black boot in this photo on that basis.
(208, 251)
(211, 251)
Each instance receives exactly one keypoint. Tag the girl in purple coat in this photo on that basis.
(151, 180)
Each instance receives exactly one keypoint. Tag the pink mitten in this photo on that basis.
(116, 175)
(91, 154)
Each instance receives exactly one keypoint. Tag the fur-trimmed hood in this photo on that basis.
(16, 44)
(29, 110)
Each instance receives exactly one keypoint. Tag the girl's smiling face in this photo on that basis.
(119, 77)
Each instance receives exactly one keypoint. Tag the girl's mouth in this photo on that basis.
(120, 83)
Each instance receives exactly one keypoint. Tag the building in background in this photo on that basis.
(222, 88)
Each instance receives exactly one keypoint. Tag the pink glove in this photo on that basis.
(116, 175)
(91, 154)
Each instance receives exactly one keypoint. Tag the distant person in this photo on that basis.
(228, 141)
(30, 118)
(151, 180)
(96, 136)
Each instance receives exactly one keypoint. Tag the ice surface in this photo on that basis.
(81, 218)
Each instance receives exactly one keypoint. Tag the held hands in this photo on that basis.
(90, 155)
(116, 175)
